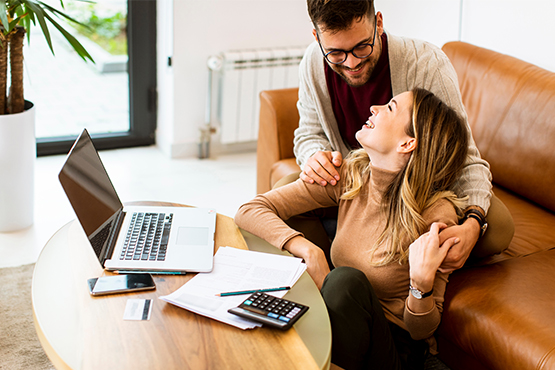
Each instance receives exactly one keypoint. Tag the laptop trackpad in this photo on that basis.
(192, 236)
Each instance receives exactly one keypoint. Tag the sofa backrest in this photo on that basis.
(511, 111)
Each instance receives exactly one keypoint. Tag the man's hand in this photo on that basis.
(468, 234)
(314, 257)
(321, 168)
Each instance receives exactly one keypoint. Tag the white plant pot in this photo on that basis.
(18, 152)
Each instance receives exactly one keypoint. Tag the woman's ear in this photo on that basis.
(407, 146)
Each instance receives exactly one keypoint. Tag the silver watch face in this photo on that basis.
(416, 293)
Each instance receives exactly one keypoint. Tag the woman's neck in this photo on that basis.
(393, 162)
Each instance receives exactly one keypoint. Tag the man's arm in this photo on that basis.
(316, 154)
(475, 179)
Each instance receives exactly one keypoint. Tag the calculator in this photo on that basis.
(269, 310)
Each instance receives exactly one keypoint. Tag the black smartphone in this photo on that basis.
(120, 284)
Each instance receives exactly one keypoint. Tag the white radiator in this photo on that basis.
(241, 76)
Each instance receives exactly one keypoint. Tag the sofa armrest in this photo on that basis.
(278, 120)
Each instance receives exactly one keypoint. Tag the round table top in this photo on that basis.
(79, 331)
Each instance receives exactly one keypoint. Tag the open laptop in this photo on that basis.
(134, 238)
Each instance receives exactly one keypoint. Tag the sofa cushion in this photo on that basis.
(488, 313)
(534, 228)
(511, 110)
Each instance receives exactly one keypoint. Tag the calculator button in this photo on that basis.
(283, 318)
(271, 314)
(247, 302)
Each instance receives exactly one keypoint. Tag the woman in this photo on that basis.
(393, 193)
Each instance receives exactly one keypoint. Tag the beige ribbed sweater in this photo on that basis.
(359, 225)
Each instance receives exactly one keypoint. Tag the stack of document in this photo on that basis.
(236, 270)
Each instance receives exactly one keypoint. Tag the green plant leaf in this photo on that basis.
(41, 14)
(59, 13)
(14, 23)
(72, 40)
(4, 15)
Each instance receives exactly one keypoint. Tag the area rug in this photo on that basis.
(19, 345)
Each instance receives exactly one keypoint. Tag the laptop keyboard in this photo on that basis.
(147, 237)
(99, 239)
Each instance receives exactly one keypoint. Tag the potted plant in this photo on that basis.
(17, 124)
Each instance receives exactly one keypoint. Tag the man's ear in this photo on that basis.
(315, 34)
(379, 19)
(407, 146)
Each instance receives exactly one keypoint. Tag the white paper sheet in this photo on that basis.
(236, 270)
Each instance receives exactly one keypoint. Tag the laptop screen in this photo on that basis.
(88, 186)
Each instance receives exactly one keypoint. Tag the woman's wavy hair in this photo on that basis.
(433, 167)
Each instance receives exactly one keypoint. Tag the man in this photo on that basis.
(354, 64)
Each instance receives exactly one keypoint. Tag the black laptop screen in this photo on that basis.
(88, 186)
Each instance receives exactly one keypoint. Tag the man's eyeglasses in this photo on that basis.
(360, 51)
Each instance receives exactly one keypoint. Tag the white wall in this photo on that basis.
(523, 29)
(207, 27)
(436, 21)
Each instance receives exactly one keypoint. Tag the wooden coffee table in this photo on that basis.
(78, 331)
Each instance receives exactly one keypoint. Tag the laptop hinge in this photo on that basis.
(112, 239)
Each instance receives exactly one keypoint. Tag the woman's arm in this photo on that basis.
(423, 316)
(264, 217)
(313, 256)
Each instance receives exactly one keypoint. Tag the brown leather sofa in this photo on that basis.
(499, 311)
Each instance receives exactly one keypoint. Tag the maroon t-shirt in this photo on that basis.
(351, 105)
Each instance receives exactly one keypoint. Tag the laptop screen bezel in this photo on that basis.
(75, 160)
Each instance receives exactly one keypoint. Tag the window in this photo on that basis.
(114, 99)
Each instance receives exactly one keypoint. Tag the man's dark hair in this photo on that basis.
(338, 15)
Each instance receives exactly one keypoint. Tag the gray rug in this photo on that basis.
(19, 345)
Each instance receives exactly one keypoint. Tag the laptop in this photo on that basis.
(134, 238)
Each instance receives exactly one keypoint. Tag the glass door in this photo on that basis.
(114, 98)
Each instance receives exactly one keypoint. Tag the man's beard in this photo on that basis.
(359, 80)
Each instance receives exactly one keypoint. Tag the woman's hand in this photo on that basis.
(313, 256)
(426, 254)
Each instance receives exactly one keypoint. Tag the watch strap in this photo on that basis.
(477, 215)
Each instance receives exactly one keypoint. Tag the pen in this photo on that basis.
(253, 291)
(150, 272)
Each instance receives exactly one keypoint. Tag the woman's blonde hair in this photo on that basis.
(434, 165)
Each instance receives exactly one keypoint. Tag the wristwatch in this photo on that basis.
(416, 293)
(477, 215)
